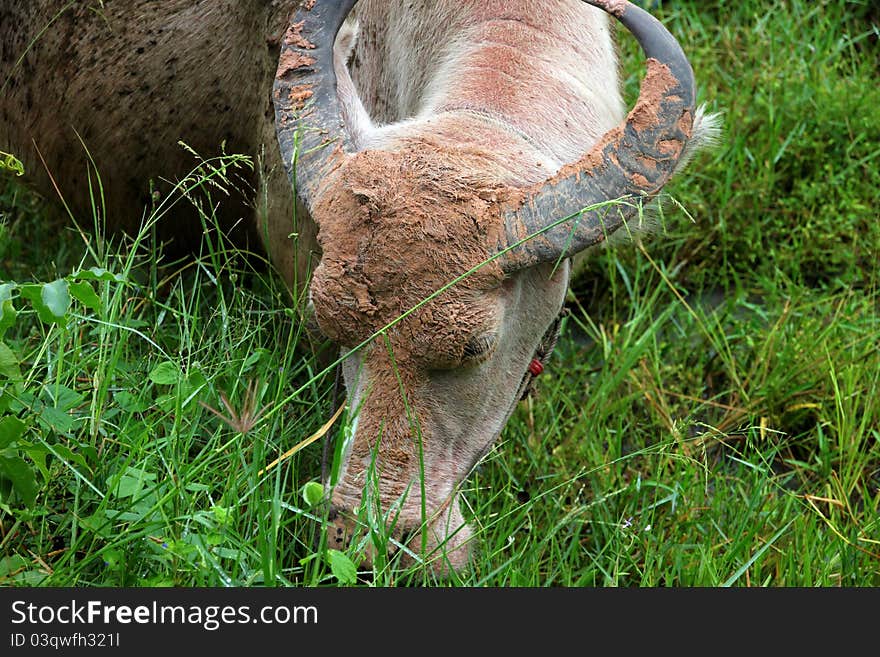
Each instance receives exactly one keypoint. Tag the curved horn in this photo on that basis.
(308, 119)
(632, 160)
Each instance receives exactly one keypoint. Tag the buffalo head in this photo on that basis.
(445, 262)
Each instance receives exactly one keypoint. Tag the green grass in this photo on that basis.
(710, 416)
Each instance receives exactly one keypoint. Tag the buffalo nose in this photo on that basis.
(343, 529)
(443, 542)
(338, 534)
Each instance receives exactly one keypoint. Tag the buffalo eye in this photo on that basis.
(478, 348)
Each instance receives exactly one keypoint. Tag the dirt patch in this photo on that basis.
(293, 37)
(397, 226)
(292, 60)
(656, 86)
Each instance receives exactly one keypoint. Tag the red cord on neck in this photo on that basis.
(536, 367)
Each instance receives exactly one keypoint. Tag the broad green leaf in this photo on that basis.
(30, 578)
(166, 373)
(97, 274)
(96, 523)
(64, 452)
(50, 300)
(11, 429)
(182, 549)
(312, 493)
(62, 397)
(128, 486)
(83, 292)
(113, 558)
(9, 364)
(252, 359)
(7, 316)
(342, 567)
(90, 454)
(56, 419)
(7, 309)
(130, 403)
(139, 513)
(16, 470)
(12, 564)
(223, 514)
(166, 403)
(193, 384)
(56, 297)
(196, 379)
(39, 454)
(130, 483)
